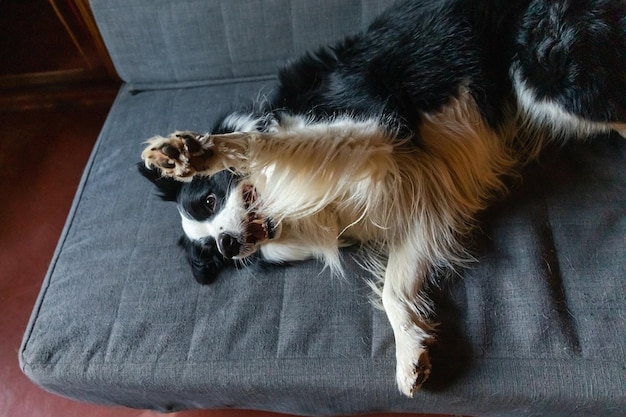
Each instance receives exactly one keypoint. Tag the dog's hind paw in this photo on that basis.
(412, 371)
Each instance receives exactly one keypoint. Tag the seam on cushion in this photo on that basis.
(124, 279)
(227, 36)
(372, 332)
(279, 337)
(553, 276)
(135, 88)
(195, 331)
(65, 232)
(292, 28)
(106, 353)
(166, 44)
(381, 359)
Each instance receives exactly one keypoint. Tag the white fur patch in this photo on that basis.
(238, 122)
(280, 252)
(227, 220)
(549, 114)
(197, 230)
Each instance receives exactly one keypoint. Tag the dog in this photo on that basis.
(394, 139)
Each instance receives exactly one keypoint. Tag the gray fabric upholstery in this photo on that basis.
(196, 41)
(536, 327)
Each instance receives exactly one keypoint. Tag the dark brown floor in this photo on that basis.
(42, 155)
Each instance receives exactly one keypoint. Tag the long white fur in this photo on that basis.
(548, 115)
(350, 179)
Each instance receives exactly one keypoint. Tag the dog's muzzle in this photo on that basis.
(257, 229)
(229, 245)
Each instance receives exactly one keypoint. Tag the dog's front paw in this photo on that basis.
(412, 369)
(184, 154)
(180, 155)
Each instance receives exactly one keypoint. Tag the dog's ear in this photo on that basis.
(205, 260)
(167, 187)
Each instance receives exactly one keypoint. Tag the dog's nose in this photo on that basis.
(228, 245)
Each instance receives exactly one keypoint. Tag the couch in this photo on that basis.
(535, 328)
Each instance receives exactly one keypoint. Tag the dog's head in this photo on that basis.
(221, 218)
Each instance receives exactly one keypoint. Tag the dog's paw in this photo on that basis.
(412, 370)
(184, 154)
(180, 155)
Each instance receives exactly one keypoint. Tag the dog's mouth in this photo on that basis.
(258, 228)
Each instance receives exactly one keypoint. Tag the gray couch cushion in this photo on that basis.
(535, 328)
(219, 39)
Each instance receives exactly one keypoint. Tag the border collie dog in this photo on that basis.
(393, 139)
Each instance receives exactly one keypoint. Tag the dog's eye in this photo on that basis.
(210, 202)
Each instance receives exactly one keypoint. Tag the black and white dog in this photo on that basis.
(394, 139)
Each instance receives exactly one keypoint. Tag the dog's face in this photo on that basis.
(221, 219)
(222, 210)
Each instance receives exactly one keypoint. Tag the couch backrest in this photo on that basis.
(157, 43)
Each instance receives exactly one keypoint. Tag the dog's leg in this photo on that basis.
(312, 156)
(182, 155)
(407, 309)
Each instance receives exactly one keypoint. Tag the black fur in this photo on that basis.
(413, 59)
(167, 187)
(203, 256)
(205, 260)
(574, 52)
